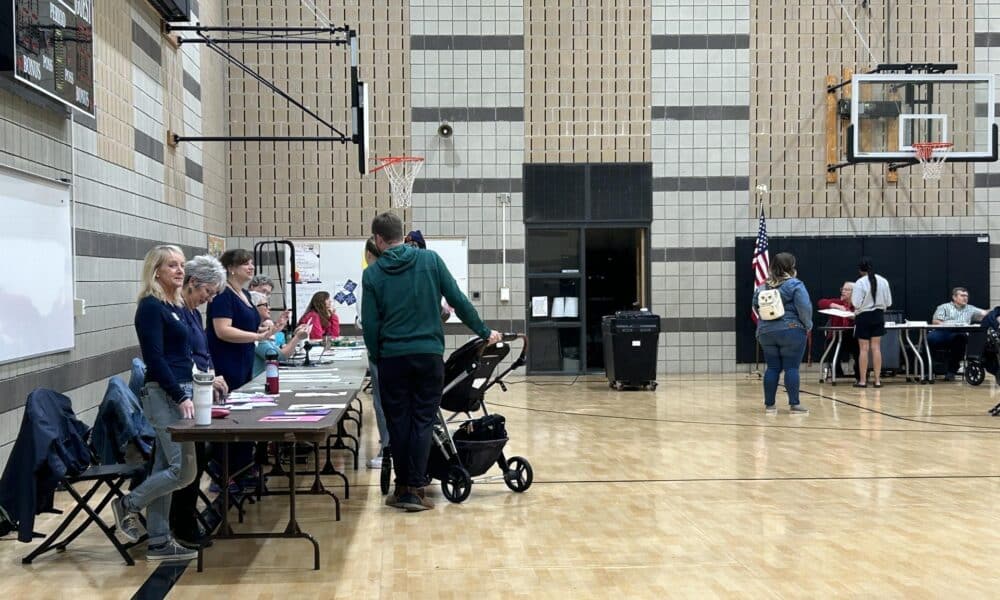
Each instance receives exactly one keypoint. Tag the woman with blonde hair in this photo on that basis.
(783, 339)
(166, 398)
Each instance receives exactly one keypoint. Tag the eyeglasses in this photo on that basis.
(264, 306)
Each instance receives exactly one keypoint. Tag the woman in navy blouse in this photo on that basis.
(166, 398)
(233, 322)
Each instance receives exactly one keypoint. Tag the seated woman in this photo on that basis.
(321, 317)
(276, 344)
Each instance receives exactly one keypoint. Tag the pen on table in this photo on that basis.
(235, 421)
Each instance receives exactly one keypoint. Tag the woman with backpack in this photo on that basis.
(871, 296)
(784, 318)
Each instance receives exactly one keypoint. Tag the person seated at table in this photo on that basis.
(276, 344)
(322, 317)
(261, 283)
(956, 312)
(848, 345)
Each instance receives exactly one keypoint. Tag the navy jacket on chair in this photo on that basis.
(120, 421)
(137, 378)
(51, 444)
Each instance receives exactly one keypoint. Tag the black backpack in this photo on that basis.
(483, 429)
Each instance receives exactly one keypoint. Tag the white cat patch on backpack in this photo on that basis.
(769, 304)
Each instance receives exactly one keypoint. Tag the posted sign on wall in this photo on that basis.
(48, 45)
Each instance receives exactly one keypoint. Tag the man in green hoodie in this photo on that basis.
(401, 314)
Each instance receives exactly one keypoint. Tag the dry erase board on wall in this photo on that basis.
(335, 266)
(36, 271)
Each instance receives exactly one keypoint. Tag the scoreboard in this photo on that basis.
(49, 45)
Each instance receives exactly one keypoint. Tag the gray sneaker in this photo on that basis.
(770, 411)
(170, 550)
(798, 409)
(127, 521)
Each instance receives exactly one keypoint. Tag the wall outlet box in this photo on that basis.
(504, 294)
(79, 307)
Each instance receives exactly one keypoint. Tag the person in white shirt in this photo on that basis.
(871, 296)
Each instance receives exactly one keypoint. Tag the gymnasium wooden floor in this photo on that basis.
(690, 491)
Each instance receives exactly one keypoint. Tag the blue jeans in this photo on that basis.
(383, 428)
(783, 351)
(173, 466)
(952, 341)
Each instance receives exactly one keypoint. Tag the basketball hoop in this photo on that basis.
(932, 156)
(402, 170)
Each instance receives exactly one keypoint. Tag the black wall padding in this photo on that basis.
(921, 271)
(588, 192)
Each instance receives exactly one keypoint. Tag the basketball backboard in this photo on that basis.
(359, 107)
(891, 111)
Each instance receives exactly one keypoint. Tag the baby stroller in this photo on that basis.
(468, 452)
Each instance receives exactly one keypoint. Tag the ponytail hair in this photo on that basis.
(782, 268)
(865, 266)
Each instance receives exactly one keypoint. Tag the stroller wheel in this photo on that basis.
(519, 474)
(385, 477)
(457, 485)
(975, 374)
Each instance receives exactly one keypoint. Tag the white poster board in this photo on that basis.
(36, 273)
(340, 264)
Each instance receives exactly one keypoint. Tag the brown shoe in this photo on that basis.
(393, 498)
(414, 500)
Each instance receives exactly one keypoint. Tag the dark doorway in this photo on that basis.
(613, 282)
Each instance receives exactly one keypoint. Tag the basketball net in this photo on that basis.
(401, 170)
(932, 156)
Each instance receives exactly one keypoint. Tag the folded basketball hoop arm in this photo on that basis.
(256, 36)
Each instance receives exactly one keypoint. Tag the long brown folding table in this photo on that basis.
(245, 426)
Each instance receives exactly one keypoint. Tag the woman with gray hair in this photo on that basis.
(203, 278)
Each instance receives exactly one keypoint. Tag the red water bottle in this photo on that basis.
(271, 371)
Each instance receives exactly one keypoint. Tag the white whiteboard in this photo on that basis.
(341, 262)
(36, 267)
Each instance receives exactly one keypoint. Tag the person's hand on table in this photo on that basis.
(219, 383)
(187, 409)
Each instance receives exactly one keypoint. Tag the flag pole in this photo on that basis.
(760, 191)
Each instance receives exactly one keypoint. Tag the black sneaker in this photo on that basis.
(127, 521)
(170, 550)
(193, 539)
(798, 409)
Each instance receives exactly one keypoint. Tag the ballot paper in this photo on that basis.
(314, 407)
(319, 394)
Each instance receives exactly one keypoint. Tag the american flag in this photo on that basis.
(761, 258)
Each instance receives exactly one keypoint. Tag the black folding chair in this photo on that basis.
(111, 476)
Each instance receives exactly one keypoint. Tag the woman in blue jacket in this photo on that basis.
(783, 340)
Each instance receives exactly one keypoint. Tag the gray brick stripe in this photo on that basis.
(698, 254)
(192, 85)
(701, 184)
(193, 170)
(65, 377)
(467, 42)
(460, 114)
(148, 146)
(466, 186)
(113, 245)
(146, 43)
(709, 41)
(702, 113)
(493, 257)
(697, 324)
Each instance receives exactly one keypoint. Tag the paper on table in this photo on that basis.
(298, 419)
(319, 394)
(308, 407)
(539, 306)
(836, 312)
